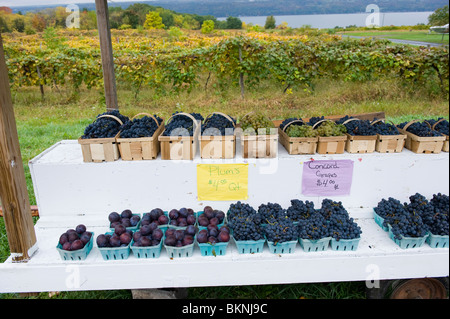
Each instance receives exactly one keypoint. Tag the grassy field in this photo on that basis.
(65, 114)
(413, 35)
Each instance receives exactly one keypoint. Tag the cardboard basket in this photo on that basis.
(422, 145)
(100, 150)
(180, 147)
(218, 147)
(297, 145)
(142, 148)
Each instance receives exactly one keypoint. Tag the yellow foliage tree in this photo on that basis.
(153, 21)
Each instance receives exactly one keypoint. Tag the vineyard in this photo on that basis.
(181, 62)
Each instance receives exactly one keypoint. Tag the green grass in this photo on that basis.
(421, 36)
(41, 123)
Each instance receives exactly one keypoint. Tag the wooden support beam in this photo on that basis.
(13, 188)
(104, 33)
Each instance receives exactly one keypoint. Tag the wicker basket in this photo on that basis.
(218, 147)
(180, 147)
(143, 148)
(297, 145)
(100, 150)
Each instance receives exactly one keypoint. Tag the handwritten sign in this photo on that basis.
(326, 178)
(222, 182)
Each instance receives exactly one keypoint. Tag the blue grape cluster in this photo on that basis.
(218, 125)
(417, 217)
(270, 211)
(314, 227)
(104, 127)
(300, 210)
(182, 125)
(313, 120)
(441, 127)
(140, 127)
(340, 224)
(438, 223)
(421, 129)
(289, 120)
(359, 127)
(383, 128)
(244, 222)
(280, 230)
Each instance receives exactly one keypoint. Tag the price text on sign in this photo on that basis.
(326, 178)
(222, 182)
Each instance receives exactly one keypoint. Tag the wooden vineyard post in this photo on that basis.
(104, 33)
(13, 188)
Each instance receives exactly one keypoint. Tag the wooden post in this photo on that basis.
(104, 33)
(13, 188)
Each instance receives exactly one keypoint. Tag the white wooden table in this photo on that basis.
(70, 192)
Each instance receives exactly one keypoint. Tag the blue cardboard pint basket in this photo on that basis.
(437, 241)
(250, 246)
(114, 253)
(282, 248)
(345, 244)
(147, 252)
(217, 249)
(76, 255)
(380, 221)
(310, 245)
(133, 228)
(407, 242)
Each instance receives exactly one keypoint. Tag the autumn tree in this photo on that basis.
(153, 21)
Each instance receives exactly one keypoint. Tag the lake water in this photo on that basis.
(342, 20)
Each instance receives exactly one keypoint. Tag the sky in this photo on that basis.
(14, 3)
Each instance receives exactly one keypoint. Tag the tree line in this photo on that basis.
(133, 17)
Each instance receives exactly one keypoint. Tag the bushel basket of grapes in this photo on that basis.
(421, 138)
(180, 138)
(259, 138)
(332, 137)
(297, 137)
(389, 139)
(361, 136)
(98, 144)
(218, 139)
(138, 138)
(441, 126)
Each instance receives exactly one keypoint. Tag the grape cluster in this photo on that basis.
(182, 125)
(301, 131)
(421, 129)
(438, 223)
(389, 208)
(244, 222)
(383, 128)
(218, 125)
(313, 120)
(441, 127)
(330, 128)
(300, 210)
(104, 127)
(140, 127)
(340, 224)
(417, 217)
(280, 230)
(289, 120)
(270, 211)
(359, 127)
(256, 123)
(314, 227)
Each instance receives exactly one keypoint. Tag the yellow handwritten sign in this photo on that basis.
(222, 182)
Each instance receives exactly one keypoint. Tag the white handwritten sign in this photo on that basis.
(327, 178)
